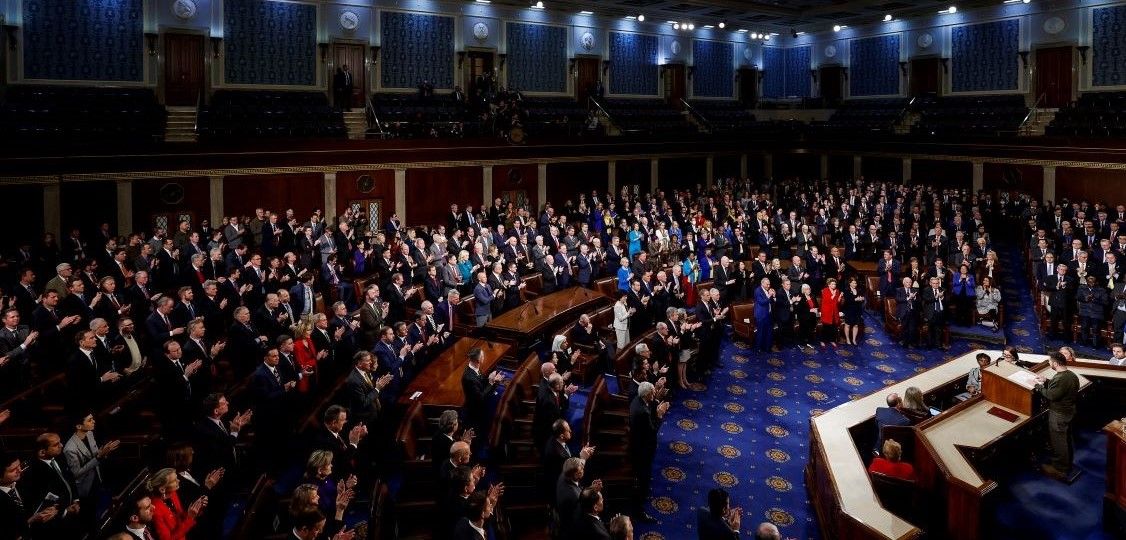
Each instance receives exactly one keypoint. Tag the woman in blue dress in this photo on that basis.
(634, 241)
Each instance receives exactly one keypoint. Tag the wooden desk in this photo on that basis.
(546, 312)
(440, 380)
(970, 427)
(1115, 465)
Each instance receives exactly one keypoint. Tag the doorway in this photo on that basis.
(748, 86)
(831, 79)
(1054, 67)
(183, 69)
(674, 83)
(353, 55)
(926, 77)
(479, 74)
(587, 78)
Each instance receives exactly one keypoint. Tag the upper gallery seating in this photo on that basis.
(554, 116)
(724, 116)
(243, 113)
(647, 116)
(857, 116)
(1095, 114)
(414, 116)
(80, 114)
(977, 115)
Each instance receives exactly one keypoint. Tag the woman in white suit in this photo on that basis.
(621, 321)
(84, 456)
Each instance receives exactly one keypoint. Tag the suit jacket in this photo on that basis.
(82, 381)
(214, 446)
(483, 295)
(362, 398)
(265, 388)
(476, 388)
(643, 426)
(932, 303)
(567, 495)
(590, 527)
(713, 528)
(41, 479)
(83, 463)
(550, 406)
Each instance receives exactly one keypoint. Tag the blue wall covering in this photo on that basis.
(271, 43)
(874, 66)
(983, 56)
(773, 72)
(798, 64)
(91, 40)
(1108, 41)
(416, 48)
(633, 64)
(537, 57)
(714, 72)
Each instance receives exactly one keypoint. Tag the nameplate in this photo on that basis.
(1003, 414)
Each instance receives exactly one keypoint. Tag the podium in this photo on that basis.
(1010, 386)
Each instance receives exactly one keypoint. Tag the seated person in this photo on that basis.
(973, 383)
(913, 407)
(889, 463)
(888, 416)
(1118, 354)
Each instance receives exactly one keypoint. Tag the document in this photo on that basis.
(1024, 378)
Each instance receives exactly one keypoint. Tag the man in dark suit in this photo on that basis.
(363, 390)
(588, 524)
(1061, 301)
(45, 475)
(552, 402)
(15, 342)
(586, 271)
(557, 451)
(934, 311)
(269, 393)
(719, 521)
(645, 418)
(174, 389)
(342, 88)
(216, 438)
(888, 269)
(344, 446)
(302, 296)
(907, 311)
(477, 387)
(15, 508)
(159, 327)
(724, 281)
(86, 375)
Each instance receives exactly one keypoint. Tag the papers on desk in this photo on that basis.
(1024, 378)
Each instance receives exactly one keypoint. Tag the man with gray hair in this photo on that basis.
(645, 416)
(552, 402)
(767, 531)
(446, 436)
(568, 487)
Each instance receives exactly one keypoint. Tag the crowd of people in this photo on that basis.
(206, 310)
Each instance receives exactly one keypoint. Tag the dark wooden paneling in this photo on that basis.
(635, 171)
(301, 192)
(348, 190)
(882, 169)
(512, 179)
(1054, 66)
(87, 205)
(840, 167)
(832, 84)
(431, 191)
(756, 166)
(681, 173)
(28, 213)
(1108, 186)
(566, 180)
(183, 69)
(926, 76)
(954, 174)
(1024, 178)
(726, 167)
(147, 199)
(804, 165)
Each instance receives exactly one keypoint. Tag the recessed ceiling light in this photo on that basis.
(950, 10)
(888, 17)
(585, 12)
(722, 24)
(709, 26)
(799, 33)
(483, 1)
(691, 26)
(676, 26)
(742, 30)
(837, 27)
(537, 5)
(641, 17)
(766, 37)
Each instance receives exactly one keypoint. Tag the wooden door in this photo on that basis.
(1054, 66)
(183, 69)
(831, 81)
(480, 68)
(748, 86)
(926, 77)
(674, 83)
(588, 73)
(352, 55)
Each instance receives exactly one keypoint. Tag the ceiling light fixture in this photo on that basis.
(691, 26)
(742, 30)
(676, 26)
(949, 11)
(722, 25)
(537, 5)
(641, 17)
(888, 17)
(709, 26)
(585, 12)
(483, 1)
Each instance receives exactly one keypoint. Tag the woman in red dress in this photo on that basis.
(305, 352)
(169, 518)
(830, 312)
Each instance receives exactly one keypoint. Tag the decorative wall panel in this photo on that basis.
(798, 64)
(984, 58)
(1108, 43)
(537, 57)
(91, 40)
(773, 72)
(874, 66)
(633, 64)
(714, 72)
(416, 48)
(270, 43)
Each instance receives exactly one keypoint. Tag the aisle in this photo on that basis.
(747, 432)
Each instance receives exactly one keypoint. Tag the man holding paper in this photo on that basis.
(1061, 391)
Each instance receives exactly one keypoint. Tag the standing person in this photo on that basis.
(645, 418)
(342, 88)
(934, 311)
(764, 324)
(852, 305)
(622, 313)
(831, 299)
(806, 309)
(907, 311)
(1061, 391)
(483, 295)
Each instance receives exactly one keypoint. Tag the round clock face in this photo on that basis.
(831, 51)
(747, 54)
(349, 20)
(481, 31)
(1054, 25)
(171, 193)
(675, 47)
(925, 40)
(365, 184)
(184, 9)
(587, 41)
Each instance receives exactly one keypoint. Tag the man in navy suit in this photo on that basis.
(483, 294)
(445, 312)
(390, 361)
(301, 296)
(764, 324)
(719, 521)
(888, 270)
(477, 386)
(269, 393)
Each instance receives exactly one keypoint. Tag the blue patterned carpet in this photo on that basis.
(748, 430)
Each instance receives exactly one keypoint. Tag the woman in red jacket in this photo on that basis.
(169, 519)
(831, 299)
(305, 352)
(889, 463)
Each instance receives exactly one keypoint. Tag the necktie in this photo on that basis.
(167, 324)
(938, 298)
(191, 311)
(277, 377)
(16, 499)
